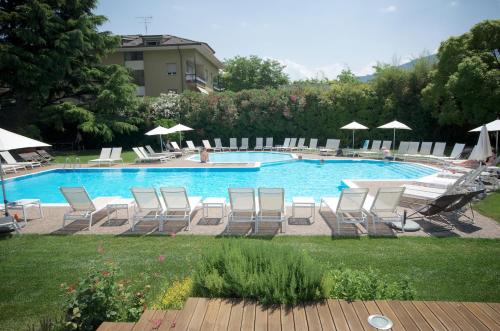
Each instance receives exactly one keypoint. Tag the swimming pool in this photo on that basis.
(298, 178)
(246, 157)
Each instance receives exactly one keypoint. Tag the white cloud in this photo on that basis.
(389, 9)
(297, 71)
(454, 3)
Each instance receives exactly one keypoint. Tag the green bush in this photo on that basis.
(275, 274)
(267, 272)
(350, 284)
(102, 296)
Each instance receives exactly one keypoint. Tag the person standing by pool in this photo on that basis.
(204, 155)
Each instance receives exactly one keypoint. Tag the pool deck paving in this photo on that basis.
(325, 223)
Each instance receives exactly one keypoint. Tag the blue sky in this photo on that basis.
(312, 38)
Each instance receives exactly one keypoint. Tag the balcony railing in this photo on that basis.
(193, 78)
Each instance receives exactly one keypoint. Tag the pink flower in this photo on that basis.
(172, 325)
(161, 258)
(293, 98)
(156, 324)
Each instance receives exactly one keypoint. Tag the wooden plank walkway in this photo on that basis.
(222, 314)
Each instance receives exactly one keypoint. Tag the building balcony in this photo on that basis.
(195, 79)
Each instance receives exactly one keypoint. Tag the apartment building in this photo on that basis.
(163, 63)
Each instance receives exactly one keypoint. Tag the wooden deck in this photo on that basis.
(217, 314)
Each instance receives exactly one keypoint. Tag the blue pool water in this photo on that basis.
(298, 178)
(243, 157)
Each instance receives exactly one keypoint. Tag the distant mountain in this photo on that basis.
(431, 58)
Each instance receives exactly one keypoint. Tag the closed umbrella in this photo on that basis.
(158, 131)
(482, 150)
(179, 128)
(9, 141)
(354, 126)
(492, 127)
(394, 125)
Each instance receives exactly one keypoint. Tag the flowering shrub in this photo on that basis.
(175, 295)
(102, 296)
(166, 105)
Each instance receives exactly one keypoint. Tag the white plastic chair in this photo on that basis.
(244, 144)
(383, 207)
(258, 144)
(233, 144)
(269, 144)
(147, 206)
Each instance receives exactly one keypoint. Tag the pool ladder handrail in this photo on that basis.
(72, 163)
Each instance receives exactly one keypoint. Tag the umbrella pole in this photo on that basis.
(352, 139)
(496, 146)
(180, 138)
(394, 140)
(3, 191)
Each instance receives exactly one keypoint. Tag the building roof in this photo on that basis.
(159, 40)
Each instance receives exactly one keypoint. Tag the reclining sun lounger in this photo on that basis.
(286, 144)
(178, 206)
(82, 207)
(218, 145)
(300, 144)
(9, 159)
(375, 150)
(147, 207)
(244, 144)
(191, 148)
(271, 207)
(313, 145)
(383, 207)
(233, 144)
(331, 147)
(143, 156)
(104, 157)
(258, 144)
(269, 144)
(348, 208)
(243, 207)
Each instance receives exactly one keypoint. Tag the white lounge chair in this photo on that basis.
(33, 158)
(233, 144)
(218, 145)
(286, 144)
(348, 208)
(271, 207)
(165, 155)
(425, 151)
(104, 157)
(375, 150)
(177, 150)
(412, 149)
(300, 144)
(178, 206)
(143, 156)
(386, 144)
(355, 152)
(12, 168)
(291, 146)
(243, 207)
(403, 148)
(455, 154)
(191, 147)
(258, 144)
(147, 207)
(43, 153)
(383, 207)
(208, 147)
(331, 147)
(269, 144)
(82, 207)
(244, 144)
(116, 155)
(9, 159)
(151, 152)
(313, 144)
(438, 151)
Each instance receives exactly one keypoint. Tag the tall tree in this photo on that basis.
(50, 55)
(465, 87)
(241, 73)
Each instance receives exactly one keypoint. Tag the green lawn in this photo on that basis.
(34, 266)
(128, 156)
(490, 206)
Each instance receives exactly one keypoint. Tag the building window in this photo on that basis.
(171, 69)
(133, 56)
(138, 77)
(152, 43)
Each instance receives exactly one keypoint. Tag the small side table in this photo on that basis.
(215, 203)
(304, 203)
(118, 204)
(23, 205)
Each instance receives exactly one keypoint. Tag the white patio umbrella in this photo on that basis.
(354, 126)
(179, 128)
(394, 125)
(482, 151)
(158, 131)
(491, 127)
(9, 141)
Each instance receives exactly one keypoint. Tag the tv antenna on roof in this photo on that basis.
(145, 20)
